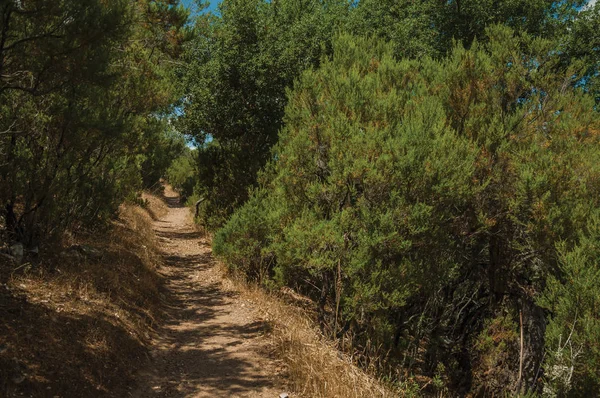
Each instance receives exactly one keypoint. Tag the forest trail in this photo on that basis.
(212, 342)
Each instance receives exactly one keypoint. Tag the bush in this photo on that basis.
(415, 201)
(181, 173)
(243, 241)
(80, 108)
(573, 299)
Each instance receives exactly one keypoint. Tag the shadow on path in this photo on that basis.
(209, 344)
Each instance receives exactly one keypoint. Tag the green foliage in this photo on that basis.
(243, 60)
(413, 200)
(162, 145)
(182, 173)
(240, 65)
(82, 86)
(426, 191)
(573, 298)
(420, 28)
(497, 352)
(245, 239)
(583, 42)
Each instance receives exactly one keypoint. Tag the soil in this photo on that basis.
(212, 342)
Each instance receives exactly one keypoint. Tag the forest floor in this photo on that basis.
(213, 342)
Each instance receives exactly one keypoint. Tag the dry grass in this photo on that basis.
(155, 205)
(313, 365)
(79, 323)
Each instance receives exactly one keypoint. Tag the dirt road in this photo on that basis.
(212, 343)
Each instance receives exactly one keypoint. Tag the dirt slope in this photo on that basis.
(212, 343)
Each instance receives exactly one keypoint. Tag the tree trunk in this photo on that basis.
(534, 328)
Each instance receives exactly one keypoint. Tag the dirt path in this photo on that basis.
(212, 344)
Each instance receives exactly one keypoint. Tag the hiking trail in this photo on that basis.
(212, 342)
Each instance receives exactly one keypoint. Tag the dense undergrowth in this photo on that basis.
(78, 323)
(437, 210)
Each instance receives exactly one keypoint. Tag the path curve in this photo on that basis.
(212, 343)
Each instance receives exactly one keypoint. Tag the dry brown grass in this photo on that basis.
(155, 205)
(79, 323)
(314, 367)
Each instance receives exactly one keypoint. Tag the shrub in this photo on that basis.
(573, 333)
(414, 201)
(80, 103)
(181, 173)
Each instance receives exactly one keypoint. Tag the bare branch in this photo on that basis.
(9, 130)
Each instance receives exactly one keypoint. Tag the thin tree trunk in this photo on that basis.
(534, 328)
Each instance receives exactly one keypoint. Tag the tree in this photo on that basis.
(81, 85)
(583, 42)
(420, 203)
(163, 146)
(182, 173)
(243, 61)
(240, 65)
(429, 27)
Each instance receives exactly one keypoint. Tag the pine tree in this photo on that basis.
(420, 204)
